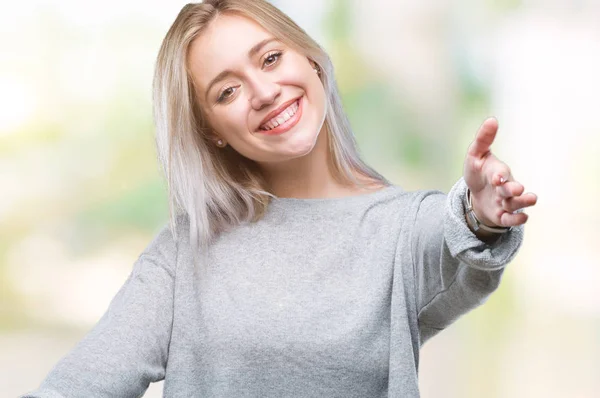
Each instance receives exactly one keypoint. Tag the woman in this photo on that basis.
(290, 268)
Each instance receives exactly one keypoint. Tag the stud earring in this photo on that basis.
(220, 144)
(315, 66)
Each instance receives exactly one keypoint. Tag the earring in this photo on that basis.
(220, 144)
(315, 66)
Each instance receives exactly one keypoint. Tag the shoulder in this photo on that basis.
(409, 203)
(166, 240)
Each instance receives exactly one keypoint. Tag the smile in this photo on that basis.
(284, 121)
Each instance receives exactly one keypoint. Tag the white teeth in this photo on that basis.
(284, 116)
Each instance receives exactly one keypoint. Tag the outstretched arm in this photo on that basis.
(128, 348)
(456, 269)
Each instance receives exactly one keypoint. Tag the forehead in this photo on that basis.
(223, 45)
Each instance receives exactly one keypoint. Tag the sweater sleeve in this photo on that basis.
(455, 271)
(127, 349)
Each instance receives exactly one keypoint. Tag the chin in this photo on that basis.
(288, 150)
(300, 144)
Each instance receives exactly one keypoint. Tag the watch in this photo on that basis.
(476, 224)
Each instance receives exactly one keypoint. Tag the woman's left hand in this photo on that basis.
(495, 195)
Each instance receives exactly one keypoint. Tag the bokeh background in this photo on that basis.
(81, 193)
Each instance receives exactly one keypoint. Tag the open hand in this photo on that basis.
(497, 198)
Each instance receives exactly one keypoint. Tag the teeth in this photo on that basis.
(281, 118)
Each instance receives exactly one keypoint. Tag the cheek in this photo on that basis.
(231, 122)
(316, 95)
(319, 93)
(305, 78)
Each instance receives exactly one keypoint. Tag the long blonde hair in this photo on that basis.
(219, 188)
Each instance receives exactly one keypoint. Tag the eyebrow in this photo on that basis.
(251, 53)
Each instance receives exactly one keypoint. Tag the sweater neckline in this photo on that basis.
(335, 202)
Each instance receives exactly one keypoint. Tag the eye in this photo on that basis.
(226, 93)
(272, 58)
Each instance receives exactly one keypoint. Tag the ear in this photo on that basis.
(212, 137)
(317, 68)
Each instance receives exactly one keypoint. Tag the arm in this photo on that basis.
(128, 348)
(455, 271)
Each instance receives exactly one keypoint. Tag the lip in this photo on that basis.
(288, 124)
(277, 111)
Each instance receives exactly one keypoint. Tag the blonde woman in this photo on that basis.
(290, 268)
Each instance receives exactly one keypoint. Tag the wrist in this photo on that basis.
(476, 225)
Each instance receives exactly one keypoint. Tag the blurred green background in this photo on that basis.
(82, 195)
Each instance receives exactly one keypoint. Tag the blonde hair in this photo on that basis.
(219, 188)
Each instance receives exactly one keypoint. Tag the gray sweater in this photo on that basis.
(320, 298)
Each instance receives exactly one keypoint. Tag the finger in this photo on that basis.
(519, 202)
(484, 138)
(513, 219)
(510, 189)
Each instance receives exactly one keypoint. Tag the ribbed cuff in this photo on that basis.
(466, 246)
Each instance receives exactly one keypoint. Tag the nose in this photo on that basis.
(264, 91)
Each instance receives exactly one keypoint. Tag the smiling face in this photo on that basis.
(258, 94)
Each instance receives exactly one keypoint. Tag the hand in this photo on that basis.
(495, 195)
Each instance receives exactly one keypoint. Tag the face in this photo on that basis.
(259, 95)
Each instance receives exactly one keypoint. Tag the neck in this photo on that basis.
(308, 176)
